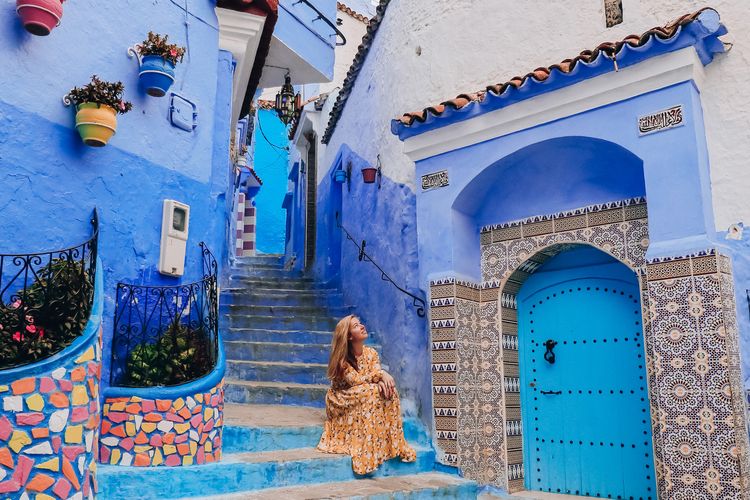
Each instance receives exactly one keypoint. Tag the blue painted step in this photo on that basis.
(243, 471)
(282, 297)
(276, 284)
(286, 310)
(282, 323)
(259, 259)
(277, 351)
(273, 371)
(265, 272)
(265, 335)
(240, 439)
(275, 393)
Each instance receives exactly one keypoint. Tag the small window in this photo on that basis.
(613, 12)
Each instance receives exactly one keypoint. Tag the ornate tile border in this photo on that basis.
(689, 322)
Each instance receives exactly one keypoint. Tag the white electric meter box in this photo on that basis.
(175, 223)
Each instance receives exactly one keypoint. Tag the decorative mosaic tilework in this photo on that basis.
(49, 428)
(163, 432)
(692, 357)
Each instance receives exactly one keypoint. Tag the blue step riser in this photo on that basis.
(237, 439)
(299, 337)
(277, 373)
(266, 273)
(286, 311)
(259, 259)
(462, 491)
(290, 353)
(222, 478)
(274, 284)
(273, 323)
(282, 299)
(275, 396)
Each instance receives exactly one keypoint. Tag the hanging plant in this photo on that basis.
(40, 17)
(97, 104)
(157, 59)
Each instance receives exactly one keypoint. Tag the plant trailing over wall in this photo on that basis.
(175, 358)
(47, 316)
(158, 45)
(97, 104)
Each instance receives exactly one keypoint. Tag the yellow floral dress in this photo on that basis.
(362, 423)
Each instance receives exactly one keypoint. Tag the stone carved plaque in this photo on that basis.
(434, 180)
(661, 120)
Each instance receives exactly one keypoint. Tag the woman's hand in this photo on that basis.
(384, 390)
(389, 383)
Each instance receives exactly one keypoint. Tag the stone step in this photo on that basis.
(275, 393)
(413, 486)
(259, 259)
(286, 311)
(274, 371)
(278, 427)
(301, 322)
(277, 351)
(265, 272)
(241, 296)
(268, 335)
(240, 471)
(256, 284)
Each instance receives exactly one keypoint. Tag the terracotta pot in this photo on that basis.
(96, 123)
(39, 17)
(368, 174)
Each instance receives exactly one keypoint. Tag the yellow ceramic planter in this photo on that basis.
(96, 123)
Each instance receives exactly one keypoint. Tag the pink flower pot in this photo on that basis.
(39, 17)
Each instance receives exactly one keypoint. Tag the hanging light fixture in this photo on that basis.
(287, 103)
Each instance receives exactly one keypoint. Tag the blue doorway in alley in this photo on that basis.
(585, 405)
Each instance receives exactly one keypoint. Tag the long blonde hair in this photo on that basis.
(341, 350)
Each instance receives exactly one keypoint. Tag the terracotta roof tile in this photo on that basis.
(609, 49)
(347, 10)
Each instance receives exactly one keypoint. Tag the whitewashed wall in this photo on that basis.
(427, 51)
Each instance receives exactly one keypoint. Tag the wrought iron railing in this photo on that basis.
(417, 302)
(166, 335)
(45, 300)
(322, 17)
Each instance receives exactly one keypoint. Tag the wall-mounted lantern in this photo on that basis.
(369, 174)
(287, 103)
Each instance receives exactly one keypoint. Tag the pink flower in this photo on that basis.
(122, 105)
(17, 337)
(16, 304)
(40, 332)
(173, 52)
(31, 329)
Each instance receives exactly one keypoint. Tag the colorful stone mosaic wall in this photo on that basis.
(478, 417)
(163, 432)
(49, 425)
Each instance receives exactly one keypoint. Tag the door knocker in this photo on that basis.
(549, 356)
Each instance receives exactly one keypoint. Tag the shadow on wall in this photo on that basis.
(543, 178)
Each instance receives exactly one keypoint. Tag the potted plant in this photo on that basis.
(97, 104)
(158, 58)
(40, 17)
(339, 176)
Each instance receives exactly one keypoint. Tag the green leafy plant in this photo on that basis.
(158, 45)
(101, 92)
(46, 317)
(179, 356)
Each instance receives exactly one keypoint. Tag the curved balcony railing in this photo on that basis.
(45, 300)
(166, 335)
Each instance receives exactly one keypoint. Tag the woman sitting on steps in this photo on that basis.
(363, 412)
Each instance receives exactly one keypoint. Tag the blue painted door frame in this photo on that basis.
(585, 397)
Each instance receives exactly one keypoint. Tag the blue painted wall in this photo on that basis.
(385, 218)
(50, 181)
(311, 39)
(270, 162)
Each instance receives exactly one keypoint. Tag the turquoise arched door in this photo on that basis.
(583, 374)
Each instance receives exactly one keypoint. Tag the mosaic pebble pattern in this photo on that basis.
(699, 318)
(49, 430)
(163, 432)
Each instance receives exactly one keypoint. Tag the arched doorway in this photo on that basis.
(583, 381)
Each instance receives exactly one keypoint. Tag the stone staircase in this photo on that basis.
(277, 328)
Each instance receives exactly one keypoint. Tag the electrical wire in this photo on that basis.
(260, 127)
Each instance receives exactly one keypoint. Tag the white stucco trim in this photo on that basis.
(652, 74)
(239, 33)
